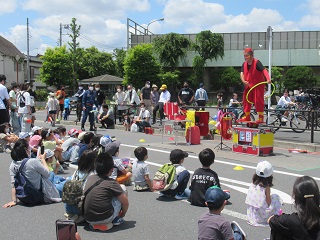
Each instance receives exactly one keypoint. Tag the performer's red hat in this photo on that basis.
(248, 51)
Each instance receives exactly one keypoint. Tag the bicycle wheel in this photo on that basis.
(298, 123)
(275, 121)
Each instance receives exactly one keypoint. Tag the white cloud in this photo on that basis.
(7, 6)
(311, 20)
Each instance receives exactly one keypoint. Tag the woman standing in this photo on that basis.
(24, 110)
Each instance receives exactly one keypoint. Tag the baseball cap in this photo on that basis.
(178, 154)
(248, 51)
(35, 140)
(163, 86)
(49, 153)
(154, 86)
(264, 169)
(23, 135)
(112, 147)
(105, 140)
(73, 131)
(36, 128)
(81, 135)
(215, 196)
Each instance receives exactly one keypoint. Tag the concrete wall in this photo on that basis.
(7, 67)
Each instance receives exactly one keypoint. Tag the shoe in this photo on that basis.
(83, 129)
(92, 129)
(260, 120)
(284, 119)
(181, 196)
(103, 127)
(101, 227)
(236, 228)
(244, 119)
(117, 221)
(65, 166)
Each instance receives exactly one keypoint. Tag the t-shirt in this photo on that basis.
(61, 93)
(118, 166)
(144, 114)
(98, 203)
(232, 103)
(214, 227)
(139, 170)
(259, 66)
(146, 92)
(185, 94)
(26, 101)
(12, 95)
(3, 95)
(284, 101)
(66, 103)
(202, 179)
(52, 104)
(70, 142)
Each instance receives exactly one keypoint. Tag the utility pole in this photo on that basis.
(60, 39)
(28, 57)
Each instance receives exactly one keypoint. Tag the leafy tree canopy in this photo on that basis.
(171, 48)
(300, 76)
(55, 70)
(140, 66)
(230, 77)
(119, 56)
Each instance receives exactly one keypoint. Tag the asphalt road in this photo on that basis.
(154, 217)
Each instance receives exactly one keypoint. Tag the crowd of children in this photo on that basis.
(104, 174)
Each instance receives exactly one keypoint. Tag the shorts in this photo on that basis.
(61, 107)
(53, 112)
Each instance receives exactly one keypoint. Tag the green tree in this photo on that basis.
(276, 78)
(299, 76)
(230, 77)
(140, 66)
(119, 56)
(209, 46)
(92, 63)
(56, 65)
(75, 33)
(171, 48)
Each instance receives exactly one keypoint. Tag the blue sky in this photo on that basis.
(103, 22)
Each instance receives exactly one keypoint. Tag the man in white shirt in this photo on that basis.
(4, 100)
(284, 103)
(143, 119)
(164, 98)
(24, 110)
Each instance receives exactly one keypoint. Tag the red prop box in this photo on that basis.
(171, 110)
(202, 121)
(148, 130)
(193, 135)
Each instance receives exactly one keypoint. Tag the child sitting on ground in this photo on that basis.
(181, 177)
(202, 179)
(212, 225)
(260, 203)
(6, 138)
(120, 173)
(140, 171)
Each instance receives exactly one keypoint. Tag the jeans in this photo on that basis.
(182, 179)
(66, 113)
(159, 107)
(85, 115)
(58, 182)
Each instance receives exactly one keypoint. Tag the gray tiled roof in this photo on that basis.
(9, 49)
(103, 79)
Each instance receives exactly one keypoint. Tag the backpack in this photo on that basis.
(164, 177)
(73, 189)
(25, 191)
(22, 100)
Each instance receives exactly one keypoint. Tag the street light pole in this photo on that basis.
(156, 20)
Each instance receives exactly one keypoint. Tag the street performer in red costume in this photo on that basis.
(252, 73)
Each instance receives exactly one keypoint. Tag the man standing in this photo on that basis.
(132, 97)
(60, 94)
(89, 98)
(79, 96)
(4, 100)
(33, 98)
(164, 98)
(201, 96)
(252, 73)
(100, 99)
(145, 95)
(186, 95)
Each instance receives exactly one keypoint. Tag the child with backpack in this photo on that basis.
(120, 173)
(260, 203)
(202, 179)
(212, 225)
(181, 176)
(140, 171)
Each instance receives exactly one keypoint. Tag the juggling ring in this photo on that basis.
(247, 96)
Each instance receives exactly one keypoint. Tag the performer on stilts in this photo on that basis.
(252, 73)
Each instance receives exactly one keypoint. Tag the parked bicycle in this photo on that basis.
(298, 122)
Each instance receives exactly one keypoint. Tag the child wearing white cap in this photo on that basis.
(260, 203)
